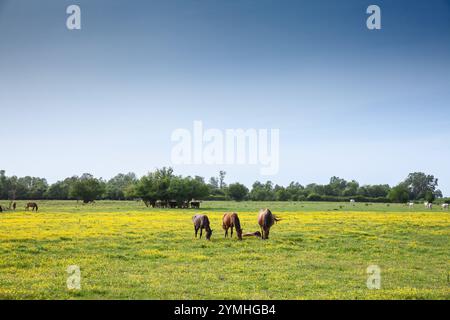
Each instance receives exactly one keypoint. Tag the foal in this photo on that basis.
(231, 220)
(201, 222)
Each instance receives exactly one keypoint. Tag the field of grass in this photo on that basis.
(317, 251)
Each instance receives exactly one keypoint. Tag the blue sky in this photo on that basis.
(366, 105)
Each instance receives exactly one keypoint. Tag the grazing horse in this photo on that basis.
(265, 220)
(14, 206)
(185, 204)
(201, 222)
(429, 206)
(1, 209)
(173, 204)
(149, 203)
(410, 205)
(445, 206)
(31, 205)
(231, 220)
(195, 204)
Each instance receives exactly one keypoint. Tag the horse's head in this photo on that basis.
(209, 234)
(239, 234)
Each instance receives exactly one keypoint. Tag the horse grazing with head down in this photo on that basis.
(31, 205)
(201, 222)
(266, 220)
(231, 220)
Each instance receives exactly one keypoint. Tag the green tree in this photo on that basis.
(399, 193)
(213, 183)
(115, 187)
(336, 186)
(197, 188)
(315, 189)
(237, 191)
(374, 191)
(3, 186)
(146, 189)
(214, 190)
(222, 184)
(87, 188)
(164, 185)
(179, 189)
(281, 194)
(16, 189)
(419, 184)
(351, 189)
(58, 191)
(262, 192)
(32, 187)
(296, 191)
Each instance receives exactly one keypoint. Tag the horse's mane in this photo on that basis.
(237, 223)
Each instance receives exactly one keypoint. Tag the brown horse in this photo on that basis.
(266, 220)
(31, 205)
(231, 220)
(201, 222)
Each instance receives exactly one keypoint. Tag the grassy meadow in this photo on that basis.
(317, 251)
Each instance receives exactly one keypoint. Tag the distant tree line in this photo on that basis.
(164, 185)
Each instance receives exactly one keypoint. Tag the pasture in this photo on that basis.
(317, 251)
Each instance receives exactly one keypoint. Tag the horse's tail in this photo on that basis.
(276, 219)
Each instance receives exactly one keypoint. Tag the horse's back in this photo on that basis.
(196, 220)
(200, 220)
(265, 218)
(226, 220)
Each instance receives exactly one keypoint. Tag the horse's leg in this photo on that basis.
(226, 232)
(201, 232)
(267, 233)
(196, 230)
(231, 231)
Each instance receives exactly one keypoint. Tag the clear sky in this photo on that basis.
(366, 105)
